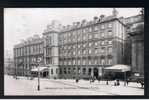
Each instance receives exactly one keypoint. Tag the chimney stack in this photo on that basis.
(95, 19)
(102, 17)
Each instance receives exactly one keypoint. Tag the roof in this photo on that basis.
(40, 69)
(118, 68)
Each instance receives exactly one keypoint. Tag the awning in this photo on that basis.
(51, 65)
(118, 68)
(40, 69)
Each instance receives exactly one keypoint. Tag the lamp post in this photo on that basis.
(125, 78)
(38, 78)
(38, 61)
(102, 72)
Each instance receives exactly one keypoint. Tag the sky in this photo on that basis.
(21, 23)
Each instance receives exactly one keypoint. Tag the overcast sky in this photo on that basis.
(21, 23)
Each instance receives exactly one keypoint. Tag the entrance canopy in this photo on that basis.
(118, 68)
(40, 69)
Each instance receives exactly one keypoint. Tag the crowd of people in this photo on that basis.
(116, 82)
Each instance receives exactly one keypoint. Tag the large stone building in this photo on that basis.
(88, 47)
(51, 50)
(135, 32)
(82, 49)
(8, 63)
(26, 54)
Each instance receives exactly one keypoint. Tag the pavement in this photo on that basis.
(24, 86)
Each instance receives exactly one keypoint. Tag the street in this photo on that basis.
(24, 86)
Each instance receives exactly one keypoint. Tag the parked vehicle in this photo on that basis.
(138, 79)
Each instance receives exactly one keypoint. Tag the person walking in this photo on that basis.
(115, 82)
(107, 82)
(127, 81)
(118, 83)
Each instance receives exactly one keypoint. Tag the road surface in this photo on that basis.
(23, 86)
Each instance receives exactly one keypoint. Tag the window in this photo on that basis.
(69, 70)
(96, 43)
(84, 71)
(96, 51)
(84, 30)
(109, 33)
(89, 71)
(110, 50)
(96, 35)
(90, 29)
(56, 71)
(96, 28)
(102, 34)
(102, 49)
(51, 71)
(109, 25)
(109, 42)
(74, 53)
(89, 62)
(74, 70)
(83, 62)
(74, 46)
(83, 45)
(110, 61)
(90, 36)
(79, 62)
(90, 51)
(60, 71)
(65, 62)
(79, 70)
(84, 51)
(84, 37)
(69, 62)
(74, 62)
(79, 46)
(65, 71)
(90, 44)
(102, 61)
(102, 26)
(79, 52)
(102, 42)
(69, 47)
(96, 61)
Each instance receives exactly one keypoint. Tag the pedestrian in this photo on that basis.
(118, 83)
(76, 80)
(127, 81)
(107, 82)
(90, 79)
(115, 82)
(142, 84)
(98, 79)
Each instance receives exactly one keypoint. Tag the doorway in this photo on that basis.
(96, 73)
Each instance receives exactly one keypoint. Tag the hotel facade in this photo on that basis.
(80, 50)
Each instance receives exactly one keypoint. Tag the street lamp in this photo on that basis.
(38, 87)
(125, 78)
(38, 60)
